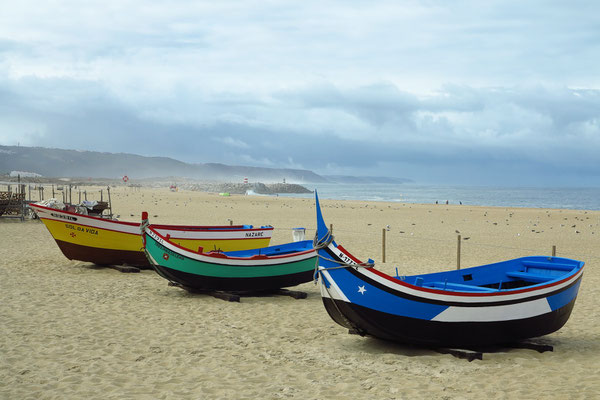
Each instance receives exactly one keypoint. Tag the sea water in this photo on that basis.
(556, 197)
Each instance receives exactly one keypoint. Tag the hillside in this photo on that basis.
(73, 163)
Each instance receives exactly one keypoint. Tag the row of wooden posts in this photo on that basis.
(66, 194)
(459, 238)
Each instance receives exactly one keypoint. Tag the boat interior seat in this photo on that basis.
(458, 286)
(530, 277)
(548, 265)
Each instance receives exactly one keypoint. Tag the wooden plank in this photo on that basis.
(292, 293)
(549, 265)
(124, 268)
(526, 276)
(539, 347)
(468, 355)
(232, 297)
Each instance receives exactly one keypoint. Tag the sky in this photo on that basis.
(440, 92)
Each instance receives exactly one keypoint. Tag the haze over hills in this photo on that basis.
(50, 162)
(366, 179)
(73, 163)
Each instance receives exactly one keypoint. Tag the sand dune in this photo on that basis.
(71, 330)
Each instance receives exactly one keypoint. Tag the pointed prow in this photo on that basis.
(322, 231)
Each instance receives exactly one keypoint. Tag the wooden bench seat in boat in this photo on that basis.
(458, 286)
(548, 265)
(529, 277)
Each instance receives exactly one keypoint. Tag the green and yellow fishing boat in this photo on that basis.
(264, 269)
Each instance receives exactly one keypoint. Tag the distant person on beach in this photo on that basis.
(446, 201)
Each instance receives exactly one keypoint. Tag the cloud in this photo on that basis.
(506, 93)
(229, 141)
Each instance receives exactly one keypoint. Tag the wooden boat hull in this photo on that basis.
(492, 304)
(108, 242)
(472, 331)
(250, 270)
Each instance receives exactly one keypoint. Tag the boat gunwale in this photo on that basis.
(218, 228)
(216, 257)
(572, 275)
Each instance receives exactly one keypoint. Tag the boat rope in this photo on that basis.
(323, 244)
(145, 223)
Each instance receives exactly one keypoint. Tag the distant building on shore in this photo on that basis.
(24, 174)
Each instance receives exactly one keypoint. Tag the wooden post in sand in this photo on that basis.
(330, 229)
(553, 250)
(458, 254)
(383, 245)
(109, 202)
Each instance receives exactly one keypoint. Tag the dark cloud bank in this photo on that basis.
(535, 135)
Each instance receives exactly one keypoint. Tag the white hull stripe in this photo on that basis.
(134, 229)
(236, 261)
(333, 291)
(508, 312)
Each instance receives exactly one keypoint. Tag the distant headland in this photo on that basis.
(40, 164)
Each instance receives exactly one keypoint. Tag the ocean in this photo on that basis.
(557, 197)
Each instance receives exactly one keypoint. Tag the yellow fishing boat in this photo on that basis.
(105, 241)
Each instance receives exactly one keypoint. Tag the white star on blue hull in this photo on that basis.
(361, 289)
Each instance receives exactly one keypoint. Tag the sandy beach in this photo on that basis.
(71, 330)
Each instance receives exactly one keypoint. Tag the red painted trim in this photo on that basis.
(468, 294)
(221, 255)
(219, 228)
(84, 216)
(94, 227)
(356, 260)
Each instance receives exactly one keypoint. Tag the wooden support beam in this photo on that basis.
(458, 254)
(292, 293)
(124, 268)
(383, 245)
(468, 355)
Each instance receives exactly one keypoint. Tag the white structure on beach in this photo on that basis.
(24, 174)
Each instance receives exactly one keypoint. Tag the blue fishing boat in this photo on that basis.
(491, 304)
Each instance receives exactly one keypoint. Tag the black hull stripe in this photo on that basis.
(444, 334)
(201, 282)
(407, 296)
